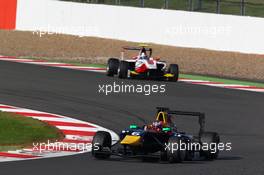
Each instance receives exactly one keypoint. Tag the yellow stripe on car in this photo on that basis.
(133, 72)
(168, 75)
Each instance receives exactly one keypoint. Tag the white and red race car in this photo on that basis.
(142, 66)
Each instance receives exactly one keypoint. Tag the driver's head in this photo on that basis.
(143, 56)
(143, 50)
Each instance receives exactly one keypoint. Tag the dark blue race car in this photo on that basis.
(160, 140)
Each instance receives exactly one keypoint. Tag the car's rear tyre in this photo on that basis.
(174, 153)
(212, 139)
(163, 155)
(123, 69)
(101, 145)
(112, 67)
(174, 69)
(189, 155)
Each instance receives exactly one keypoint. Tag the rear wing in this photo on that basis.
(136, 48)
(147, 49)
(200, 115)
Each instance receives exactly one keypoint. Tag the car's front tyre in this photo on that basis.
(123, 69)
(112, 67)
(174, 70)
(101, 145)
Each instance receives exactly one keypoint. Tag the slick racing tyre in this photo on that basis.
(211, 139)
(101, 145)
(163, 155)
(174, 153)
(123, 69)
(174, 69)
(112, 67)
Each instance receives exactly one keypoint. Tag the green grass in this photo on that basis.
(18, 131)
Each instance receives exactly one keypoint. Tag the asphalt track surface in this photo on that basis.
(237, 115)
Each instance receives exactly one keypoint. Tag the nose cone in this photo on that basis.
(131, 140)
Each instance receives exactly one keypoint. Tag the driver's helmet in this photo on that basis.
(143, 56)
(157, 124)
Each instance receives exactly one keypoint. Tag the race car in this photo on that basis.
(160, 140)
(143, 65)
